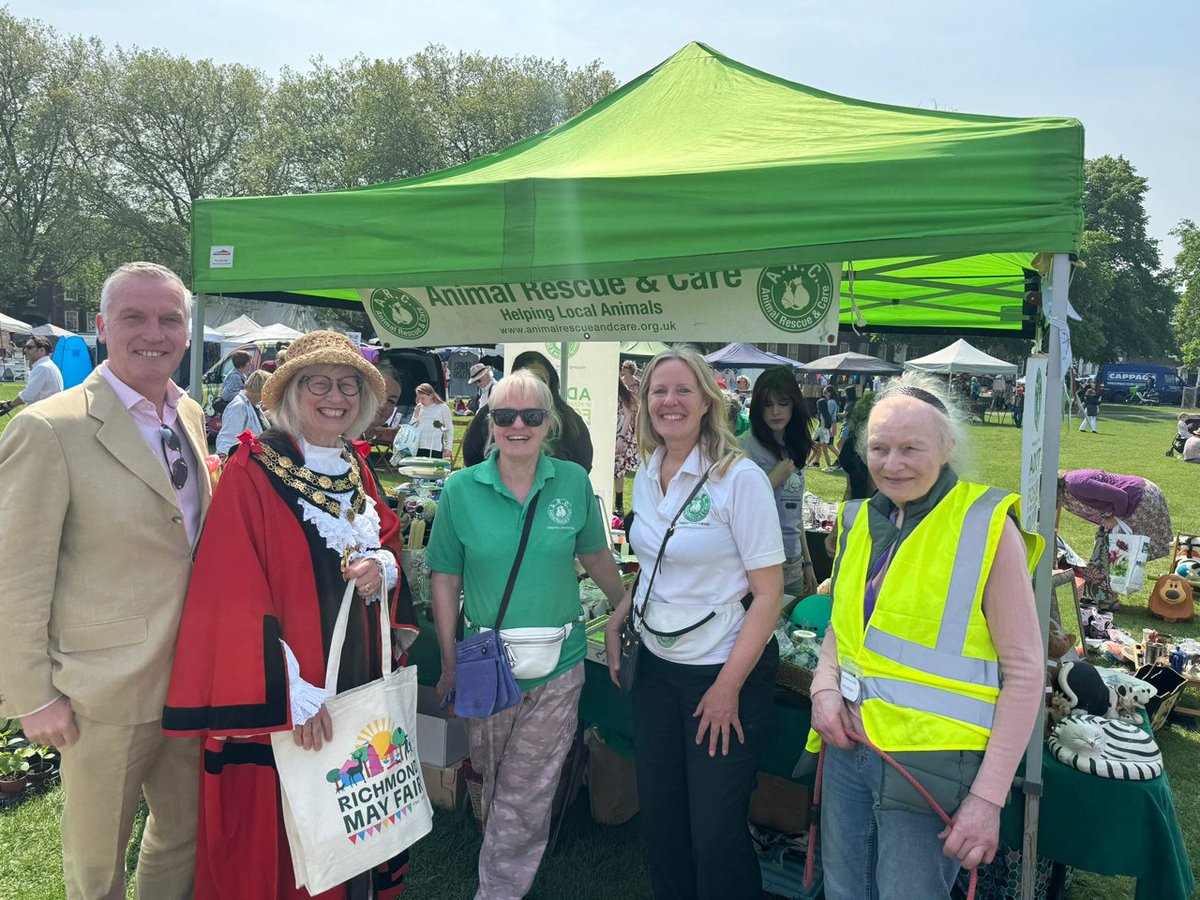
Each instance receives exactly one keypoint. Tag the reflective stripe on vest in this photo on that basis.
(931, 700)
(945, 659)
(849, 514)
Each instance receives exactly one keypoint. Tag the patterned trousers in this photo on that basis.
(520, 752)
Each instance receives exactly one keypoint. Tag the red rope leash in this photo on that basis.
(815, 810)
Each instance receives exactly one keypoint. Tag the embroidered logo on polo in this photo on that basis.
(379, 783)
(560, 511)
(698, 509)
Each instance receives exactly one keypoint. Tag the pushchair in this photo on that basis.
(1192, 426)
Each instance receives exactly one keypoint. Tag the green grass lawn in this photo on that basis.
(600, 862)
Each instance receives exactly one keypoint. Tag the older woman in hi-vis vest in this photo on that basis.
(934, 656)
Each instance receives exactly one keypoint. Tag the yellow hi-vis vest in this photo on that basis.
(928, 671)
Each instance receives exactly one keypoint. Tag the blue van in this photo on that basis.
(1117, 379)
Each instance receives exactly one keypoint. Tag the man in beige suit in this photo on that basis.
(102, 492)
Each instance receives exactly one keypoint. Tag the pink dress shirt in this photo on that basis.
(145, 416)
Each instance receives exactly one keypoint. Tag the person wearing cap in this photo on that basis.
(45, 380)
(481, 375)
(297, 515)
(933, 655)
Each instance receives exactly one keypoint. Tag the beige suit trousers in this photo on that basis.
(103, 775)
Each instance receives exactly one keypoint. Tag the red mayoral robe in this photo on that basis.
(263, 575)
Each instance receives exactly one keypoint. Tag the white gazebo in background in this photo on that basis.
(960, 358)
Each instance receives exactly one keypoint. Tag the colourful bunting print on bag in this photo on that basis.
(379, 782)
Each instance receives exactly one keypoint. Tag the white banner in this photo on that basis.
(794, 303)
(592, 392)
(1031, 441)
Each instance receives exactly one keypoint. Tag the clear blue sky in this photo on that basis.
(1129, 72)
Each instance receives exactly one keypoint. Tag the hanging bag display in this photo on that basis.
(360, 799)
(484, 683)
(630, 638)
(1127, 559)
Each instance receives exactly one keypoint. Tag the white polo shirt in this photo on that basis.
(730, 528)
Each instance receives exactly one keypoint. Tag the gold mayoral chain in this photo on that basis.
(313, 485)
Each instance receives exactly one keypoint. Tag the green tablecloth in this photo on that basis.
(1108, 826)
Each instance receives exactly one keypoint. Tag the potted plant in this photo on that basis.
(14, 760)
(43, 763)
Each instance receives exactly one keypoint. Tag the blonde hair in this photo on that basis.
(523, 382)
(285, 415)
(716, 440)
(256, 380)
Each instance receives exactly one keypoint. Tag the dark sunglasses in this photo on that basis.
(531, 417)
(179, 469)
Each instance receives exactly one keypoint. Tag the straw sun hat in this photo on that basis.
(321, 348)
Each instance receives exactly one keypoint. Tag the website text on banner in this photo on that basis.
(796, 303)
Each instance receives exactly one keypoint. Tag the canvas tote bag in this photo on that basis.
(360, 799)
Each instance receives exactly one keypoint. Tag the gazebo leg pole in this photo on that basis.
(1048, 423)
(196, 369)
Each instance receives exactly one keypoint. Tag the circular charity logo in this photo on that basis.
(698, 508)
(560, 512)
(795, 298)
(555, 350)
(399, 312)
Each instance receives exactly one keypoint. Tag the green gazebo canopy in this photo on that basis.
(702, 163)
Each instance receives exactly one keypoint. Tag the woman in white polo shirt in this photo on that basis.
(706, 613)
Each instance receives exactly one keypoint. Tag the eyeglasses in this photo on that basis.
(531, 417)
(179, 469)
(319, 385)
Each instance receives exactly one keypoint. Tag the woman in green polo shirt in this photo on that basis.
(519, 751)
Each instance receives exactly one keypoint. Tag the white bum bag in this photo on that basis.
(684, 634)
(533, 652)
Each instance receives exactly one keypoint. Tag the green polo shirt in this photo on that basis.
(476, 535)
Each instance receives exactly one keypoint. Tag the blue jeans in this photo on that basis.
(874, 854)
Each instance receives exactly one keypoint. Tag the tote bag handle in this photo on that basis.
(338, 639)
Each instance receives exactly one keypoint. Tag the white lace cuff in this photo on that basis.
(387, 568)
(305, 698)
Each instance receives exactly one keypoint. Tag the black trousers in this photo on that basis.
(694, 806)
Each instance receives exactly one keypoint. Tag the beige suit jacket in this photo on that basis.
(94, 557)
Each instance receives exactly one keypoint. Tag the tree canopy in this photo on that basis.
(102, 151)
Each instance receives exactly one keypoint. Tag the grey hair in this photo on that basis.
(143, 269)
(953, 419)
(256, 380)
(523, 382)
(285, 415)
